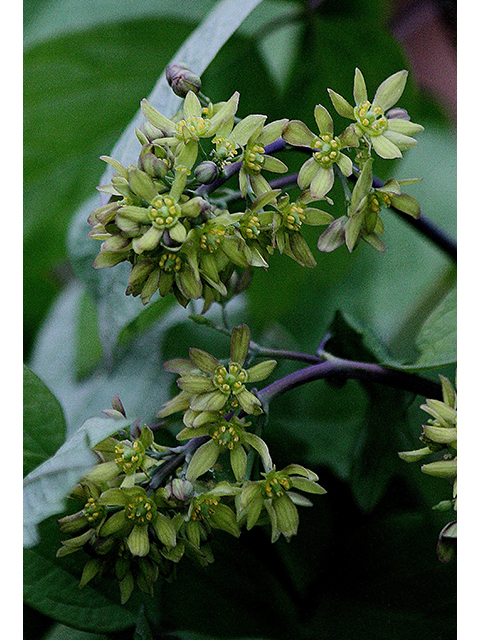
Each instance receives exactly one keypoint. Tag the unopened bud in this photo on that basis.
(182, 79)
(206, 172)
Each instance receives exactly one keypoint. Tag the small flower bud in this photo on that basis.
(206, 172)
(180, 489)
(182, 79)
(397, 112)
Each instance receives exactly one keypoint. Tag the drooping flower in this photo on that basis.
(274, 495)
(389, 134)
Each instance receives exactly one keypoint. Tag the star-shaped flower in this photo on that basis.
(389, 134)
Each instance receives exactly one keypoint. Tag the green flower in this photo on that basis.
(123, 457)
(226, 436)
(274, 495)
(389, 134)
(287, 222)
(138, 515)
(207, 511)
(317, 172)
(183, 136)
(208, 385)
(251, 134)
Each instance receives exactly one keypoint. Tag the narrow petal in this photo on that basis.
(404, 126)
(307, 173)
(323, 119)
(261, 370)
(244, 129)
(142, 185)
(322, 182)
(345, 165)
(192, 106)
(363, 185)
(195, 384)
(272, 131)
(385, 148)
(238, 461)
(148, 241)
(287, 515)
(300, 250)
(359, 88)
(400, 140)
(406, 203)
(203, 459)
(156, 118)
(307, 485)
(316, 217)
(333, 237)
(260, 446)
(178, 233)
(165, 530)
(374, 241)
(179, 365)
(249, 402)
(342, 106)
(274, 164)
(137, 214)
(240, 344)
(203, 360)
(213, 401)
(181, 402)
(389, 92)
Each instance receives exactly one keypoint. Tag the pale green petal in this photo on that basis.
(238, 460)
(179, 365)
(109, 259)
(115, 523)
(203, 360)
(333, 237)
(240, 344)
(249, 402)
(243, 182)
(165, 530)
(245, 128)
(148, 241)
(316, 217)
(323, 119)
(224, 518)
(259, 184)
(192, 106)
(272, 131)
(363, 185)
(287, 515)
(213, 401)
(352, 230)
(415, 456)
(389, 92)
(156, 118)
(261, 370)
(299, 470)
(404, 126)
(142, 185)
(274, 164)
(342, 107)
(307, 485)
(345, 165)
(322, 182)
(441, 468)
(374, 241)
(385, 148)
(138, 542)
(225, 113)
(203, 459)
(406, 203)
(180, 402)
(359, 88)
(400, 140)
(307, 173)
(299, 250)
(260, 446)
(298, 134)
(195, 384)
(178, 233)
(137, 214)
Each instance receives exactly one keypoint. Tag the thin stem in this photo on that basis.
(340, 368)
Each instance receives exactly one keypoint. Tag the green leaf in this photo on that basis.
(51, 587)
(437, 340)
(43, 422)
(47, 486)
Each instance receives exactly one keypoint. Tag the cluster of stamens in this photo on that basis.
(164, 212)
(192, 128)
(204, 508)
(225, 150)
(294, 217)
(231, 381)
(251, 227)
(371, 118)
(326, 150)
(141, 510)
(211, 240)
(254, 158)
(93, 511)
(226, 436)
(129, 458)
(277, 485)
(170, 262)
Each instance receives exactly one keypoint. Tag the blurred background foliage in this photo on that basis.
(363, 564)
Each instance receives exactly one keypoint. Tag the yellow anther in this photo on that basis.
(333, 154)
(223, 428)
(365, 122)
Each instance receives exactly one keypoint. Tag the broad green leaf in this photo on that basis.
(47, 486)
(437, 340)
(51, 587)
(43, 422)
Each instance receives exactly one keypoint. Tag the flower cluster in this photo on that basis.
(440, 439)
(163, 216)
(145, 506)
